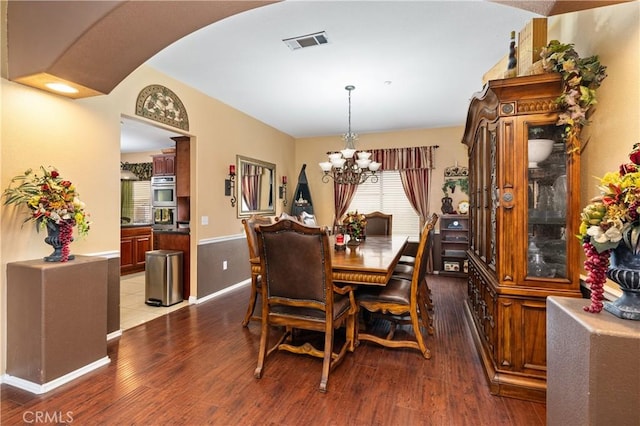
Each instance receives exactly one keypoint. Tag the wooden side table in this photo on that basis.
(56, 321)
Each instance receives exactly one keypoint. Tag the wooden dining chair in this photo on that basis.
(254, 261)
(299, 293)
(378, 223)
(409, 255)
(401, 302)
(405, 270)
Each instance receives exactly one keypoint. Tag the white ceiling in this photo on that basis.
(415, 64)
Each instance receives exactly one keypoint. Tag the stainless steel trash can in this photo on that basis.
(163, 277)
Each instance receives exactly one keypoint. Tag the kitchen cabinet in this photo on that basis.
(524, 213)
(454, 240)
(134, 243)
(164, 164)
(182, 166)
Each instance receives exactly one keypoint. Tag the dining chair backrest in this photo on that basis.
(378, 223)
(420, 268)
(297, 262)
(250, 232)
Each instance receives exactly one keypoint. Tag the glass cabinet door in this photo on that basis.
(547, 202)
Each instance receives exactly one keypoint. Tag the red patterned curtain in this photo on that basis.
(251, 175)
(415, 165)
(342, 196)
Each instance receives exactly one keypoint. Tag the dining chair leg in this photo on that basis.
(262, 352)
(252, 301)
(352, 331)
(418, 333)
(326, 361)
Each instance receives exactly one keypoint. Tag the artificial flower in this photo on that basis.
(354, 224)
(581, 76)
(49, 198)
(610, 220)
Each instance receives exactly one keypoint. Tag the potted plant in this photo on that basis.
(610, 235)
(53, 205)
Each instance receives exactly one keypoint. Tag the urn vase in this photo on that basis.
(58, 238)
(625, 271)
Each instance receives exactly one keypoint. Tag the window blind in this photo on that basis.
(141, 201)
(387, 196)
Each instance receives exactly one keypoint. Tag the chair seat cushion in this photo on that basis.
(408, 260)
(397, 291)
(403, 271)
(340, 307)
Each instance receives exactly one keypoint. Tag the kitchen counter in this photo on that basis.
(171, 231)
(134, 225)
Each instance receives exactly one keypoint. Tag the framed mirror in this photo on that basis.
(255, 186)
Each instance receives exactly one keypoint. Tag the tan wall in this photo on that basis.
(138, 157)
(612, 33)
(311, 151)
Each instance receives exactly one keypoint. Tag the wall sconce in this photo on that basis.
(283, 190)
(230, 185)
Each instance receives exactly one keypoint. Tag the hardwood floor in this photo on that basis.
(195, 366)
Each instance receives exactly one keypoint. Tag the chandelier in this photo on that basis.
(349, 166)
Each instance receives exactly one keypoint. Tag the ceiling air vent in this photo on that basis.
(308, 40)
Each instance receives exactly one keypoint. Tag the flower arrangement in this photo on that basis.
(581, 77)
(354, 224)
(610, 220)
(50, 199)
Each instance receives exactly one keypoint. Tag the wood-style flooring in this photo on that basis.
(195, 366)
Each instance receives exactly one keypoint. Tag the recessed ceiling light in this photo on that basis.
(61, 87)
(54, 84)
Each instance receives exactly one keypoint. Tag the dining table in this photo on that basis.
(370, 263)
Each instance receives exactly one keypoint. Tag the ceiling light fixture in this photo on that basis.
(349, 167)
(61, 87)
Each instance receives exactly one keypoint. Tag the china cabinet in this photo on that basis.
(454, 240)
(524, 209)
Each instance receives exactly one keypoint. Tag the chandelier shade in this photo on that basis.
(349, 166)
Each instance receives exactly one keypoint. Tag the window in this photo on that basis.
(136, 201)
(387, 196)
(142, 201)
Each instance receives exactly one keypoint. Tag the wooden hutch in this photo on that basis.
(523, 218)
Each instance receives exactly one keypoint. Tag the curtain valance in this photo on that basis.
(418, 157)
(144, 171)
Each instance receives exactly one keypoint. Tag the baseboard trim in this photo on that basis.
(46, 387)
(208, 297)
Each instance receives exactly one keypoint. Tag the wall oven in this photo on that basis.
(164, 218)
(163, 191)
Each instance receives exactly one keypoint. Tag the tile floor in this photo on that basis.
(133, 310)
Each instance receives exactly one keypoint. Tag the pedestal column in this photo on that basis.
(56, 321)
(593, 366)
